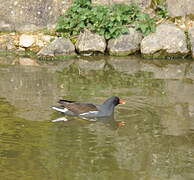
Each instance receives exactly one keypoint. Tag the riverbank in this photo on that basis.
(168, 41)
(116, 30)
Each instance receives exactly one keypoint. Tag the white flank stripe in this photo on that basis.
(61, 110)
(88, 113)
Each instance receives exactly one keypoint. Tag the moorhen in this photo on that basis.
(89, 110)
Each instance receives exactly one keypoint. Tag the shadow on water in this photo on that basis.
(156, 142)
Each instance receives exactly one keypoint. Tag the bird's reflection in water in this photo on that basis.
(111, 122)
(107, 121)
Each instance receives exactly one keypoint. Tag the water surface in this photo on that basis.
(156, 143)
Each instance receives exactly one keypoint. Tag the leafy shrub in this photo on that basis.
(145, 24)
(104, 20)
(75, 19)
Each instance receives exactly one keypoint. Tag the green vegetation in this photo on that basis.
(160, 8)
(145, 24)
(109, 22)
(161, 11)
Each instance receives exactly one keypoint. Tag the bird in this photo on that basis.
(88, 110)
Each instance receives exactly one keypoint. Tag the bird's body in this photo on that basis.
(88, 110)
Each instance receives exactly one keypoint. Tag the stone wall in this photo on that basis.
(30, 15)
(27, 16)
(168, 41)
(141, 3)
(180, 7)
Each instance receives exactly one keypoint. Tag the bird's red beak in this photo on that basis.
(121, 101)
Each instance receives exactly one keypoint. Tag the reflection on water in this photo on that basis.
(156, 143)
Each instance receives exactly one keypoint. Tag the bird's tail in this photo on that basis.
(63, 101)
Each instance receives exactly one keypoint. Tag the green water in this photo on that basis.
(156, 142)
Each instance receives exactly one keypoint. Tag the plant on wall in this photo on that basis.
(107, 21)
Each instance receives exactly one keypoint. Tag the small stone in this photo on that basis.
(26, 40)
(47, 38)
(60, 47)
(167, 41)
(7, 42)
(39, 43)
(10, 46)
(180, 7)
(125, 44)
(21, 49)
(90, 42)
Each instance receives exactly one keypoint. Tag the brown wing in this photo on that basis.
(79, 108)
